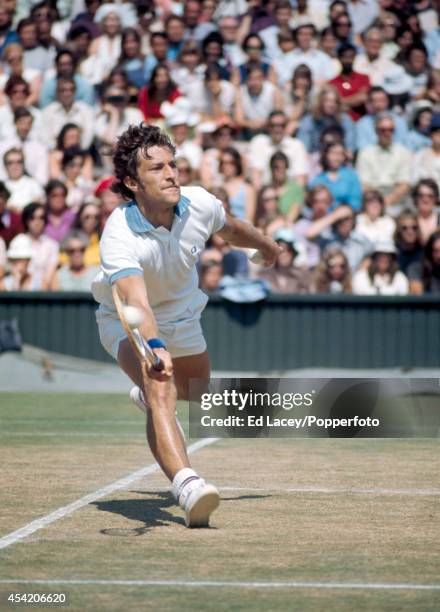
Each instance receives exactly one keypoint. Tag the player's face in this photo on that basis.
(158, 177)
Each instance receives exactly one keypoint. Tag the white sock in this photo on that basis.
(183, 483)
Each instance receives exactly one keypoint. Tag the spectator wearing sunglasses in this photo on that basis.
(76, 275)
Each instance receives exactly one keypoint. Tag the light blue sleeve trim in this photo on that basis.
(124, 273)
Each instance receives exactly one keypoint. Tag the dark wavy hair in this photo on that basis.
(428, 266)
(136, 139)
(28, 212)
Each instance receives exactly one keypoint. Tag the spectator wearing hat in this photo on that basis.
(386, 166)
(426, 202)
(408, 240)
(45, 250)
(373, 222)
(285, 276)
(66, 67)
(378, 102)
(263, 146)
(22, 187)
(420, 126)
(424, 276)
(10, 221)
(179, 118)
(19, 256)
(115, 115)
(353, 87)
(341, 180)
(382, 276)
(75, 275)
(332, 274)
(426, 162)
(106, 48)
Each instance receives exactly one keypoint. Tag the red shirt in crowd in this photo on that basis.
(349, 85)
(151, 108)
(10, 226)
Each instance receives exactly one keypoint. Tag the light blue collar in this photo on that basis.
(139, 224)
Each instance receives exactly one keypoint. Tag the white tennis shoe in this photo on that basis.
(199, 503)
(137, 397)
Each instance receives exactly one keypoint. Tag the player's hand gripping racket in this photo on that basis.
(144, 353)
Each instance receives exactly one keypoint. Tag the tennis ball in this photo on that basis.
(255, 256)
(134, 316)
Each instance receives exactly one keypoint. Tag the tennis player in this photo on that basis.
(149, 248)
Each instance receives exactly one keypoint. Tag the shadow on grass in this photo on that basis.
(152, 512)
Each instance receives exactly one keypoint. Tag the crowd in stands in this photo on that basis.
(317, 121)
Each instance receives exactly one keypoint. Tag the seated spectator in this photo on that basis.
(382, 277)
(426, 201)
(22, 187)
(87, 221)
(386, 166)
(420, 126)
(371, 62)
(341, 180)
(433, 89)
(189, 71)
(115, 116)
(69, 136)
(60, 218)
(279, 23)
(408, 240)
(285, 276)
(45, 251)
(159, 50)
(107, 198)
(417, 67)
(329, 135)
(327, 112)
(65, 110)
(263, 146)
(8, 33)
(79, 189)
(210, 275)
(256, 99)
(328, 44)
(253, 46)
(333, 274)
(160, 89)
(179, 118)
(298, 95)
(424, 276)
(373, 223)
(337, 230)
(19, 256)
(215, 97)
(66, 68)
(268, 217)
(281, 65)
(10, 221)
(228, 26)
(35, 153)
(132, 59)
(187, 174)
(378, 102)
(75, 276)
(240, 193)
(222, 138)
(318, 201)
(426, 162)
(290, 193)
(17, 92)
(106, 48)
(13, 58)
(353, 87)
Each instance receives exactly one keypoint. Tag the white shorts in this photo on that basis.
(182, 338)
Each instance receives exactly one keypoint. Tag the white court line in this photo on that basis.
(72, 434)
(400, 586)
(60, 513)
(336, 490)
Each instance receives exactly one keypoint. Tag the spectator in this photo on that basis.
(333, 134)
(45, 251)
(8, 35)
(180, 119)
(22, 187)
(426, 163)
(373, 223)
(318, 201)
(65, 68)
(187, 174)
(115, 116)
(298, 95)
(353, 87)
(407, 240)
(222, 138)
(426, 201)
(420, 126)
(328, 44)
(253, 47)
(75, 276)
(282, 69)
(386, 166)
(60, 218)
(240, 193)
(78, 188)
(106, 48)
(158, 55)
(10, 221)
(417, 67)
(212, 53)
(228, 28)
(424, 276)
(268, 217)
(189, 71)
(363, 14)
(108, 199)
(210, 275)
(382, 277)
(215, 98)
(333, 273)
(282, 15)
(175, 31)
(13, 58)
(342, 27)
(87, 221)
(69, 136)
(371, 62)
(132, 59)
(161, 89)
(285, 276)
(327, 112)
(67, 110)
(263, 146)
(19, 256)
(290, 193)
(17, 92)
(341, 180)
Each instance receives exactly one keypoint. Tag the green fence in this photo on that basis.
(281, 333)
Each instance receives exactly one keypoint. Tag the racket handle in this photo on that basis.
(158, 365)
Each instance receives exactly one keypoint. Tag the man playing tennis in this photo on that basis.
(149, 249)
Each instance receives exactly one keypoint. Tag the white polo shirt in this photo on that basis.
(166, 259)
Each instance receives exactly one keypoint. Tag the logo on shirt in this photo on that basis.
(194, 250)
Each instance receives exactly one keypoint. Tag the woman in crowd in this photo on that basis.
(268, 217)
(318, 201)
(45, 250)
(408, 240)
(253, 46)
(14, 66)
(424, 276)
(372, 222)
(19, 256)
(382, 277)
(60, 218)
(241, 194)
(333, 274)
(341, 180)
(22, 187)
(290, 193)
(420, 123)
(215, 97)
(105, 50)
(298, 95)
(78, 188)
(426, 201)
(69, 136)
(187, 174)
(132, 59)
(160, 89)
(76, 275)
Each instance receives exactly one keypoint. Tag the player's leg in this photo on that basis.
(186, 368)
